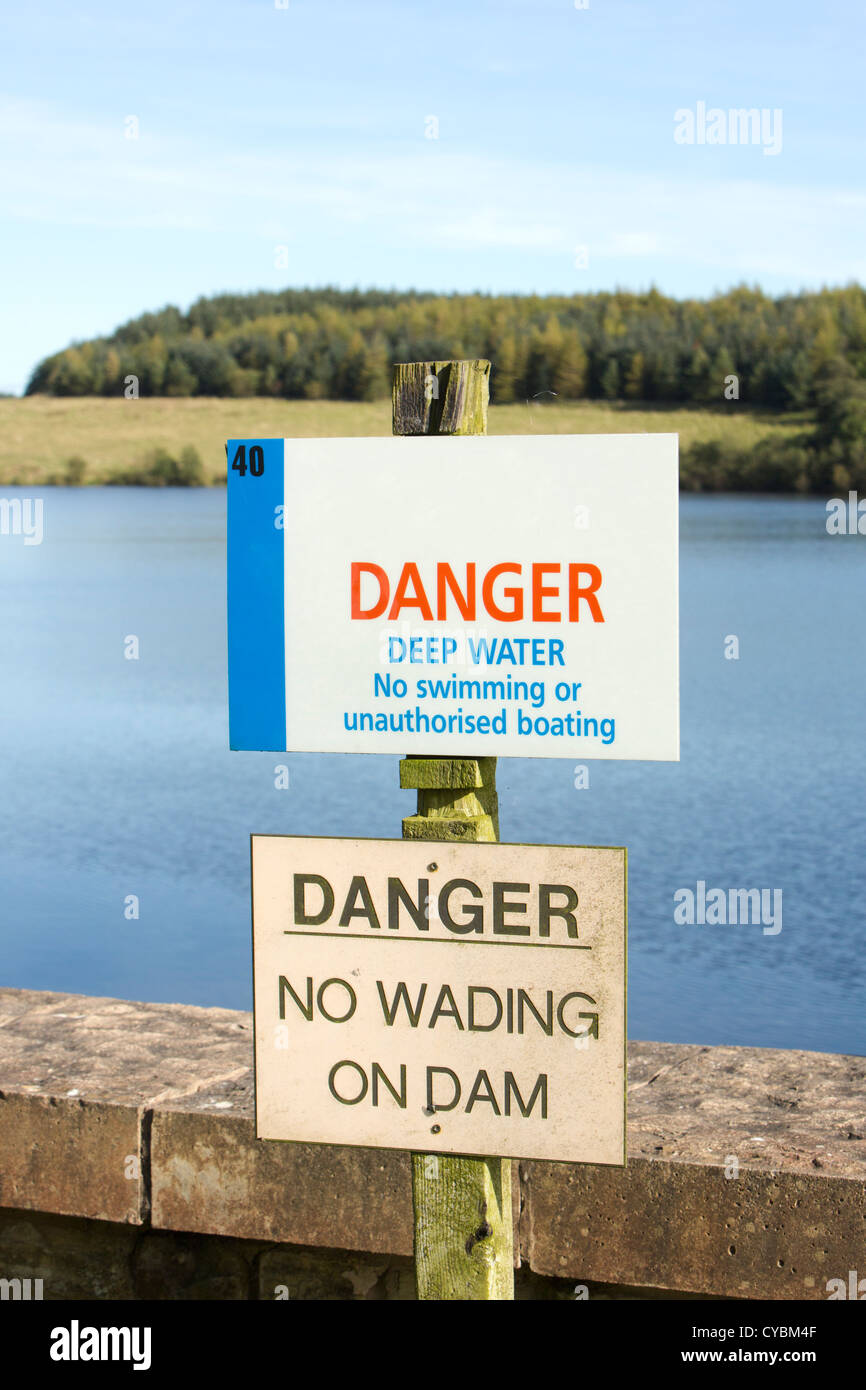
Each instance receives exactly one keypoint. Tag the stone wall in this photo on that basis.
(129, 1168)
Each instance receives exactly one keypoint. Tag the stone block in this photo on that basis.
(74, 1258)
(73, 1156)
(210, 1173)
(181, 1267)
(686, 1226)
(289, 1274)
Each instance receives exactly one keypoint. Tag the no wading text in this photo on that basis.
(402, 998)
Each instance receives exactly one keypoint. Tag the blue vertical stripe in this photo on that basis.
(256, 624)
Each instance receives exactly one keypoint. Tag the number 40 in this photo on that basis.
(257, 460)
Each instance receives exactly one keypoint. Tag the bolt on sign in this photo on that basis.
(477, 596)
(444, 998)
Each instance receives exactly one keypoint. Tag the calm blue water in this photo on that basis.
(117, 779)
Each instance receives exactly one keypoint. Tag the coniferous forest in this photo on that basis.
(796, 353)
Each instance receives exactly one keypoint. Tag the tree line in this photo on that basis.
(340, 344)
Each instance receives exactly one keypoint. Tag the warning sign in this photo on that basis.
(439, 997)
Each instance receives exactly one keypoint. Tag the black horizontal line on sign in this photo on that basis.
(386, 936)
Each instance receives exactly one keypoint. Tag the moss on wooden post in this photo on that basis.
(456, 799)
(463, 1238)
(464, 1243)
(441, 397)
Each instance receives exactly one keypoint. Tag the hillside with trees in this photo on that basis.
(795, 354)
(340, 345)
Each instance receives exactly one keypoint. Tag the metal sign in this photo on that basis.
(482, 596)
(441, 998)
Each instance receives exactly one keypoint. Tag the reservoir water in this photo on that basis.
(117, 779)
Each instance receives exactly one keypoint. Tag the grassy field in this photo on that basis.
(40, 434)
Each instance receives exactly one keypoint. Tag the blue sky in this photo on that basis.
(306, 127)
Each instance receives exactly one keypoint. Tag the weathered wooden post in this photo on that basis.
(464, 1243)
